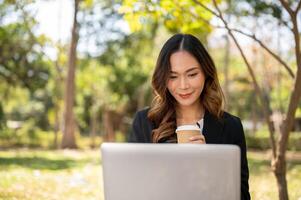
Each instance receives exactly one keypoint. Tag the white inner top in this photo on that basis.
(201, 124)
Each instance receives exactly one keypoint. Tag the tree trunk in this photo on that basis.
(56, 127)
(93, 127)
(69, 123)
(108, 126)
(279, 169)
(282, 186)
(279, 164)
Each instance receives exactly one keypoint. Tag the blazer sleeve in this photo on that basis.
(241, 142)
(136, 128)
(141, 128)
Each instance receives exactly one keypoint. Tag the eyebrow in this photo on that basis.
(191, 69)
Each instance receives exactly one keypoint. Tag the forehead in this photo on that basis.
(182, 61)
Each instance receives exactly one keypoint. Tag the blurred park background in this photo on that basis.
(74, 72)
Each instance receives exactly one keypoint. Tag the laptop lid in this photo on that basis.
(170, 171)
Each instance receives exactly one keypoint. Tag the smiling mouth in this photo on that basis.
(185, 96)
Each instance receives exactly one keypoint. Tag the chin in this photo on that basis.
(188, 102)
(185, 103)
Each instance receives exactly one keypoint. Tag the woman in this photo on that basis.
(187, 91)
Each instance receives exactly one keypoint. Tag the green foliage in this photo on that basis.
(21, 105)
(21, 60)
(294, 142)
(118, 74)
(120, 137)
(112, 80)
(20, 63)
(257, 8)
(129, 66)
(93, 93)
(261, 141)
(177, 16)
(6, 135)
(32, 137)
(28, 135)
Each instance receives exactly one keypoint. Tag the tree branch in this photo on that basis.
(258, 90)
(206, 8)
(295, 29)
(298, 7)
(253, 36)
(274, 55)
(286, 6)
(198, 17)
(297, 41)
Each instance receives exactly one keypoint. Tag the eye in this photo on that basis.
(192, 75)
(172, 77)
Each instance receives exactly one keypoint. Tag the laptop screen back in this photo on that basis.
(170, 171)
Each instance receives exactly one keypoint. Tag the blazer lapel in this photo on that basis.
(212, 129)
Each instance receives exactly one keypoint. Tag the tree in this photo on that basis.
(69, 122)
(24, 68)
(131, 68)
(22, 62)
(97, 19)
(285, 14)
(279, 149)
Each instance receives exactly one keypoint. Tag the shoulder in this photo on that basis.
(142, 114)
(229, 119)
(226, 119)
(224, 130)
(142, 119)
(233, 126)
(141, 127)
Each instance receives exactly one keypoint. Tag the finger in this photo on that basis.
(200, 139)
(198, 142)
(197, 137)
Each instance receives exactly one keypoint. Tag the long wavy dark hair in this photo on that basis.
(162, 111)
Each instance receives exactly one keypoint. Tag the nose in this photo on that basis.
(183, 83)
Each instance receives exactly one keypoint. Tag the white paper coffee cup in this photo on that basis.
(184, 132)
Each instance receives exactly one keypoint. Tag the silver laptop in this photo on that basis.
(170, 171)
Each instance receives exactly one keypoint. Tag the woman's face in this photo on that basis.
(186, 80)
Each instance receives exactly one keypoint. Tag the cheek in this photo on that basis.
(199, 83)
(170, 86)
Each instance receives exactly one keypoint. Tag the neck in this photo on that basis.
(189, 114)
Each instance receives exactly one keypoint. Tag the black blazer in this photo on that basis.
(227, 130)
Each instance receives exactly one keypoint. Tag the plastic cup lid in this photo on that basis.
(188, 128)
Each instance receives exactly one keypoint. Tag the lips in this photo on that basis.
(185, 96)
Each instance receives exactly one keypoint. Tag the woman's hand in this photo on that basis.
(198, 139)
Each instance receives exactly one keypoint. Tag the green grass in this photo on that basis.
(62, 174)
(76, 174)
(262, 180)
